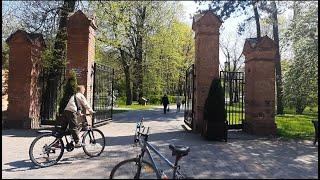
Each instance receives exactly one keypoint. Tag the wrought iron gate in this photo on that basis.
(233, 84)
(189, 96)
(103, 96)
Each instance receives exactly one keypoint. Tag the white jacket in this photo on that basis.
(82, 102)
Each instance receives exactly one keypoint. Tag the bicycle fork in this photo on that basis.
(139, 163)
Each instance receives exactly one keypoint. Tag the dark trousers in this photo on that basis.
(70, 118)
(178, 107)
(165, 108)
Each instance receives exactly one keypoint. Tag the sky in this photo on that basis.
(228, 28)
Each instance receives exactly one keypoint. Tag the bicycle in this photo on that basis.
(138, 168)
(48, 148)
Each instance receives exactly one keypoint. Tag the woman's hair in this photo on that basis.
(80, 87)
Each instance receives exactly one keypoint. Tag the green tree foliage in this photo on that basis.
(70, 88)
(5, 56)
(301, 79)
(214, 108)
(167, 45)
(170, 52)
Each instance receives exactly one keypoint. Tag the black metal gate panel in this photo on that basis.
(51, 84)
(102, 94)
(233, 85)
(189, 96)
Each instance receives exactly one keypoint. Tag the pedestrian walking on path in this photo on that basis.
(178, 101)
(165, 102)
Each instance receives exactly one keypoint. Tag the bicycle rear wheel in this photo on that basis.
(94, 142)
(127, 169)
(46, 150)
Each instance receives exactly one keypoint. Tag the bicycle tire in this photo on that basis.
(143, 174)
(88, 142)
(32, 150)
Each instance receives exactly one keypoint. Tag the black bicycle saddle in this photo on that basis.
(179, 150)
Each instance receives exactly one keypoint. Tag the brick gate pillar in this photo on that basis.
(206, 27)
(23, 83)
(259, 86)
(81, 50)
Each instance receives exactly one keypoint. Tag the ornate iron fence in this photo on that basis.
(189, 96)
(233, 85)
(103, 96)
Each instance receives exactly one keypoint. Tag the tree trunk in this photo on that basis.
(295, 14)
(61, 38)
(279, 87)
(59, 55)
(139, 49)
(126, 69)
(300, 106)
(256, 17)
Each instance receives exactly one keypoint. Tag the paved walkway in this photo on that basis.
(243, 156)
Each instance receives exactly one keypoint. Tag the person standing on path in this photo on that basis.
(178, 101)
(164, 102)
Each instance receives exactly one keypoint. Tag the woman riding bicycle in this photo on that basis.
(72, 110)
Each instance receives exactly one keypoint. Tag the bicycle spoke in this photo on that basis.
(46, 150)
(128, 170)
(94, 143)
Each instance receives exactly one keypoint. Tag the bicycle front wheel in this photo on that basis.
(94, 142)
(46, 150)
(128, 169)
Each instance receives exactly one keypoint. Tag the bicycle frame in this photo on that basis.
(145, 148)
(149, 147)
(91, 135)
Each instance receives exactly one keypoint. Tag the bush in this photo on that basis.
(154, 99)
(69, 89)
(121, 100)
(214, 109)
(214, 115)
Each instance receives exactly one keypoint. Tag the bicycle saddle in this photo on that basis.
(179, 150)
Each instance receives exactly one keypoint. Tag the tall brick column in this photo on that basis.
(206, 27)
(23, 83)
(81, 49)
(259, 86)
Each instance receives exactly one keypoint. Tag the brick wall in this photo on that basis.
(23, 90)
(206, 27)
(260, 86)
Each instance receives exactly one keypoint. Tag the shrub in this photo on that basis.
(214, 115)
(70, 88)
(154, 99)
(214, 109)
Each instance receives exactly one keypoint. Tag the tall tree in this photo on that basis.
(225, 9)
(301, 80)
(273, 11)
(274, 17)
(256, 17)
(126, 28)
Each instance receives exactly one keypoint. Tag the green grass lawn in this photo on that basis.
(234, 115)
(294, 126)
(136, 105)
(289, 125)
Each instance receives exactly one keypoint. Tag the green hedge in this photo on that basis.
(152, 99)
